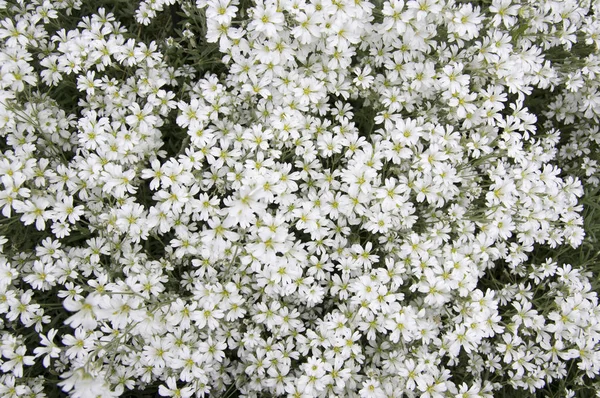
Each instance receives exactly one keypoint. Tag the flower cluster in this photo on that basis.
(349, 205)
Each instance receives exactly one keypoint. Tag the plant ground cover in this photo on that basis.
(235, 198)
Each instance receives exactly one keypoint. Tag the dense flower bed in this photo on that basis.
(297, 198)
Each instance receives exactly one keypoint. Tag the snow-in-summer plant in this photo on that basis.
(322, 198)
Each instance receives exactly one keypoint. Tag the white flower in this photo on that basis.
(130, 219)
(141, 118)
(34, 210)
(84, 316)
(505, 11)
(307, 29)
(371, 389)
(118, 181)
(49, 349)
(83, 384)
(173, 391)
(266, 19)
(65, 210)
(16, 360)
(466, 22)
(309, 91)
(363, 78)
